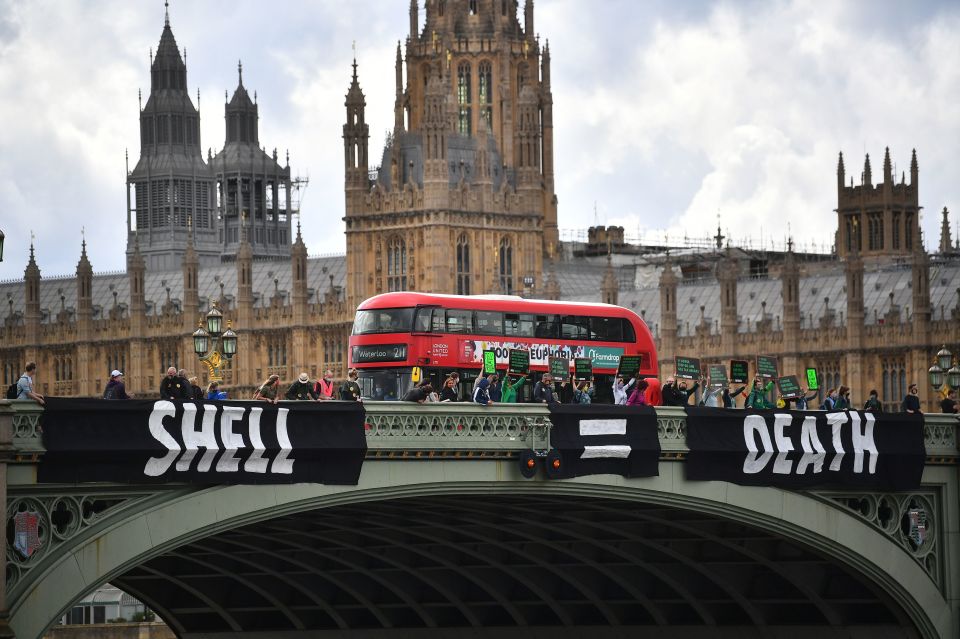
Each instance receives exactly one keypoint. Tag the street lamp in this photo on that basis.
(945, 373)
(210, 341)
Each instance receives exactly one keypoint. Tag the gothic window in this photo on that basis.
(854, 238)
(441, 6)
(908, 231)
(503, 7)
(829, 374)
(521, 76)
(397, 265)
(875, 231)
(894, 383)
(464, 98)
(485, 71)
(473, 7)
(463, 265)
(506, 266)
(895, 244)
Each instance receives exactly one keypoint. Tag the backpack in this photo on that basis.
(12, 390)
(110, 392)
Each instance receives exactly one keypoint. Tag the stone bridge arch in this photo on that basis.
(182, 526)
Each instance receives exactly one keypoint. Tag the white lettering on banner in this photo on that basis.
(597, 452)
(603, 427)
(777, 439)
(230, 443)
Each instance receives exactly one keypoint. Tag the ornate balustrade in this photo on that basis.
(469, 431)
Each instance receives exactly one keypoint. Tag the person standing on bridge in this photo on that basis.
(729, 399)
(949, 403)
(639, 395)
(449, 391)
(115, 387)
(911, 403)
(324, 388)
(758, 395)
(186, 387)
(873, 404)
(269, 390)
(510, 391)
(543, 391)
(172, 386)
(300, 390)
(25, 384)
(621, 390)
(350, 390)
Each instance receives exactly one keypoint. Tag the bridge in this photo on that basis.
(443, 536)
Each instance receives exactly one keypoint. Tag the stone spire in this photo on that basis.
(946, 245)
(867, 175)
(356, 135)
(887, 167)
(841, 173)
(398, 102)
(298, 258)
(914, 170)
(31, 282)
(84, 283)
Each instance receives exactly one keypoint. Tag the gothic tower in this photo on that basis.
(468, 166)
(171, 183)
(878, 220)
(250, 182)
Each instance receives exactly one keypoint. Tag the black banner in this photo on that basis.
(798, 449)
(145, 441)
(600, 439)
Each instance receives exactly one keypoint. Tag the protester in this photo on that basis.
(803, 402)
(115, 389)
(843, 399)
(565, 392)
(676, 393)
(25, 384)
(214, 392)
(729, 399)
(496, 389)
(654, 394)
(301, 389)
(711, 396)
(350, 390)
(196, 393)
(830, 401)
(581, 394)
(419, 393)
(432, 396)
(324, 388)
(172, 386)
(543, 391)
(949, 403)
(449, 391)
(911, 403)
(873, 404)
(510, 391)
(638, 396)
(482, 394)
(269, 390)
(621, 390)
(186, 387)
(758, 395)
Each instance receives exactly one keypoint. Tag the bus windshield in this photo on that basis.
(384, 320)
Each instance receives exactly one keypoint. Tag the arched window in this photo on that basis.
(441, 6)
(473, 7)
(464, 98)
(397, 265)
(463, 265)
(485, 77)
(521, 76)
(506, 266)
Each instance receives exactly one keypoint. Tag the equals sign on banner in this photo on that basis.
(605, 440)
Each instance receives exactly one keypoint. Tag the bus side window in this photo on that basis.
(574, 327)
(437, 323)
(606, 329)
(459, 320)
(547, 326)
(629, 335)
(489, 323)
(422, 322)
(517, 325)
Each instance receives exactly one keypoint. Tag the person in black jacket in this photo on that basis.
(543, 391)
(301, 389)
(911, 403)
(174, 387)
(729, 400)
(676, 393)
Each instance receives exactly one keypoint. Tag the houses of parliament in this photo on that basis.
(462, 200)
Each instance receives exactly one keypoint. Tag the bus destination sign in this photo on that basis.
(560, 368)
(363, 354)
(688, 367)
(739, 371)
(518, 361)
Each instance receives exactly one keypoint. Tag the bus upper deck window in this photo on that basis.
(459, 320)
(547, 326)
(489, 323)
(629, 335)
(422, 322)
(606, 329)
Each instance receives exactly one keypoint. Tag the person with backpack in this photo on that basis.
(757, 399)
(350, 390)
(24, 389)
(269, 390)
(115, 387)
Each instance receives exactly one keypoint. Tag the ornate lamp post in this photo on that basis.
(214, 346)
(945, 373)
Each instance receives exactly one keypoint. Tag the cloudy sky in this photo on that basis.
(666, 113)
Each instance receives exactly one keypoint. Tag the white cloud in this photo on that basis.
(664, 113)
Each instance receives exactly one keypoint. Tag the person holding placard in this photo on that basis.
(621, 390)
(510, 391)
(637, 397)
(758, 395)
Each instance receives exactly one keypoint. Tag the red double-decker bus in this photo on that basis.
(396, 333)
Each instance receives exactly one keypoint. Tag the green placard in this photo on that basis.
(518, 361)
(489, 362)
(739, 371)
(583, 368)
(718, 375)
(813, 383)
(559, 368)
(687, 367)
(629, 366)
(766, 366)
(789, 387)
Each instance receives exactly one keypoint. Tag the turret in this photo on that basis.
(84, 286)
(854, 277)
(356, 135)
(528, 19)
(609, 289)
(244, 272)
(414, 20)
(867, 175)
(728, 276)
(920, 278)
(668, 315)
(298, 265)
(31, 282)
(398, 103)
(136, 272)
(841, 174)
(914, 171)
(241, 115)
(790, 282)
(887, 167)
(946, 245)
